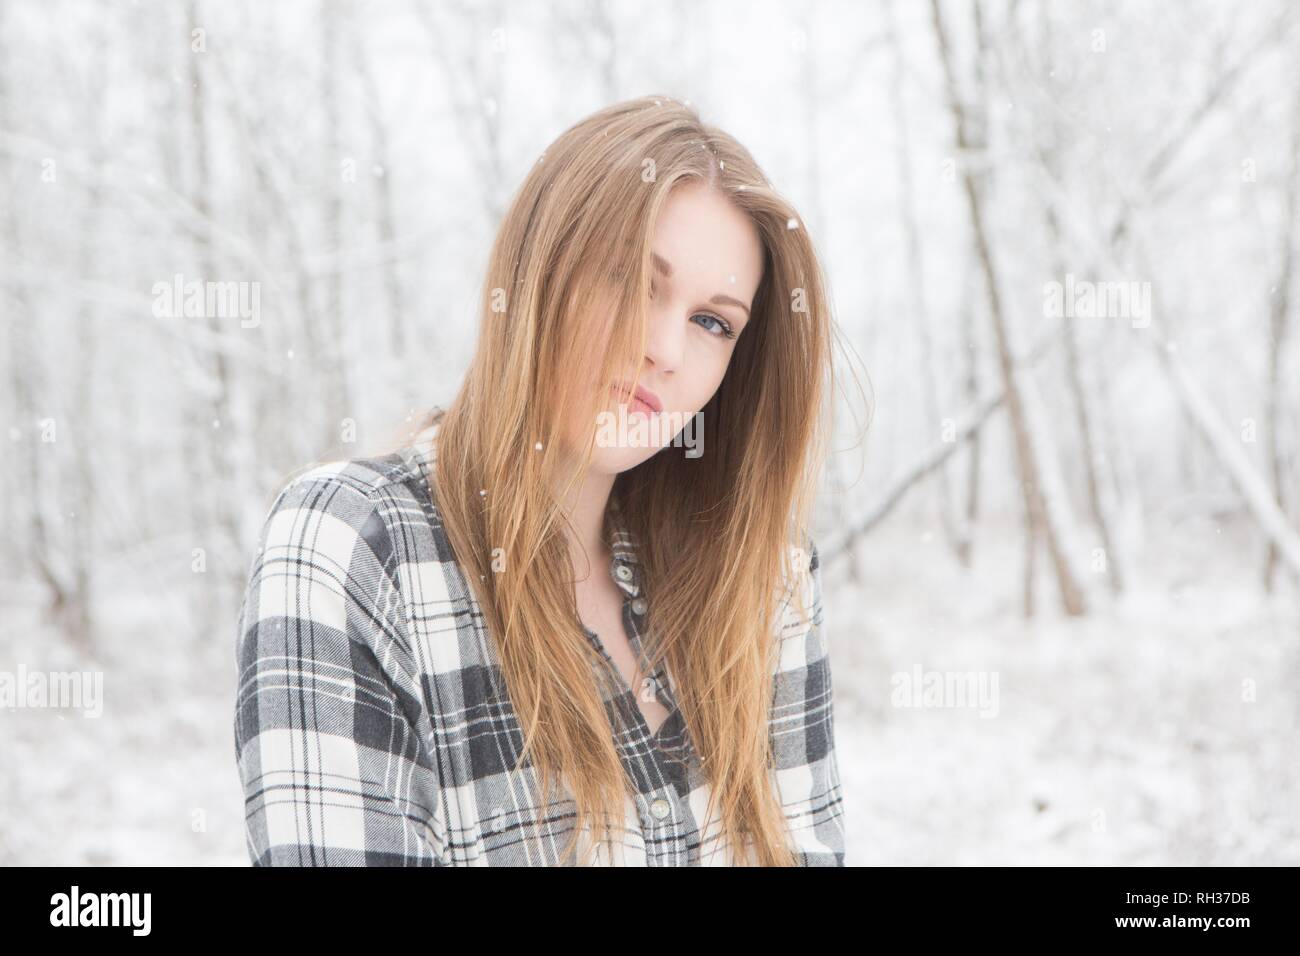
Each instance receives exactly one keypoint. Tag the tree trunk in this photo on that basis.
(1029, 465)
(212, 431)
(1278, 326)
(957, 533)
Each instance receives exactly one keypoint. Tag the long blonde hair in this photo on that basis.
(719, 535)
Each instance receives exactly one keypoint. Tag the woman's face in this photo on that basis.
(707, 263)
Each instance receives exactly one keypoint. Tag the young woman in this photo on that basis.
(576, 618)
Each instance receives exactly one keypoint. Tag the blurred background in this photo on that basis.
(1061, 241)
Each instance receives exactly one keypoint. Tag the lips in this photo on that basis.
(641, 399)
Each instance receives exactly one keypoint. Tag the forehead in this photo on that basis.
(709, 242)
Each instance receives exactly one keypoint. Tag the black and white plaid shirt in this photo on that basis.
(371, 727)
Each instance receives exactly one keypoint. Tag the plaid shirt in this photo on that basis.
(372, 728)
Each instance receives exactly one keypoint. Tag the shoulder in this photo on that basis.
(800, 608)
(803, 659)
(338, 548)
(328, 668)
(354, 519)
(357, 490)
(369, 477)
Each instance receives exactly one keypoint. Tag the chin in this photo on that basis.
(616, 460)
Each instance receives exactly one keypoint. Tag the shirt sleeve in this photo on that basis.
(803, 729)
(334, 771)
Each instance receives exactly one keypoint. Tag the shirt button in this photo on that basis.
(659, 808)
(624, 572)
(638, 607)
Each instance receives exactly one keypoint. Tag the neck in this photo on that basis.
(586, 512)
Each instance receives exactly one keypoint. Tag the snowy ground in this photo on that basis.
(1123, 738)
(1119, 739)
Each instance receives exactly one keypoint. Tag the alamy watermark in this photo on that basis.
(23, 689)
(75, 908)
(639, 430)
(1091, 300)
(918, 688)
(214, 300)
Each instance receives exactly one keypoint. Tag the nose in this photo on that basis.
(665, 339)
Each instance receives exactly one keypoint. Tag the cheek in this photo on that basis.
(705, 371)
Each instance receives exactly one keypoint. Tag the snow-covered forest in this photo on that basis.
(1060, 528)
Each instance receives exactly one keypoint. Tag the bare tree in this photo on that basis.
(1095, 472)
(957, 533)
(338, 394)
(587, 34)
(469, 42)
(925, 464)
(281, 231)
(384, 202)
(213, 452)
(1230, 456)
(1044, 505)
(25, 358)
(81, 552)
(1279, 326)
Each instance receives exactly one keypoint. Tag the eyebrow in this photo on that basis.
(663, 265)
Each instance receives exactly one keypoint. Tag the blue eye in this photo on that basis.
(725, 329)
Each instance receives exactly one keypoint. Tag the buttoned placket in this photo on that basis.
(625, 577)
(665, 819)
